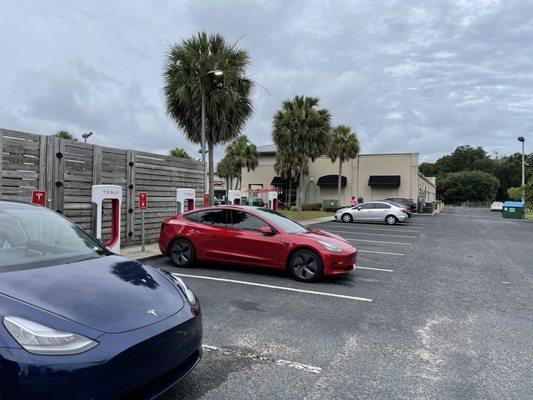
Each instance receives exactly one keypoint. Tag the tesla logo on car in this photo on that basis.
(152, 311)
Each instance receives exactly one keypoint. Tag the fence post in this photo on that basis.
(42, 163)
(1, 151)
(49, 175)
(59, 158)
(130, 195)
(97, 179)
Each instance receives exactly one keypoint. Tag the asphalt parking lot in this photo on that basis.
(440, 307)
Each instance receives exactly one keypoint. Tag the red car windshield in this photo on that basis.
(284, 223)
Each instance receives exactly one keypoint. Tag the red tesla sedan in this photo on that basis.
(256, 237)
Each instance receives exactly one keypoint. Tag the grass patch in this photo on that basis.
(306, 215)
(529, 215)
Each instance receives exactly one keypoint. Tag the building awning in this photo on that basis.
(278, 181)
(384, 180)
(331, 181)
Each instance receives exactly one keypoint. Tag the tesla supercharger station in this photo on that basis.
(186, 199)
(234, 197)
(273, 200)
(113, 193)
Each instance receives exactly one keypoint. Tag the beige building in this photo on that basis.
(370, 176)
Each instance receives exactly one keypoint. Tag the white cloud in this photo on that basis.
(420, 76)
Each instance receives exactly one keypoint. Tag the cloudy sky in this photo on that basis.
(414, 76)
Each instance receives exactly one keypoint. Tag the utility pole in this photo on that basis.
(522, 140)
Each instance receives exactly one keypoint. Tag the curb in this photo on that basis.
(306, 222)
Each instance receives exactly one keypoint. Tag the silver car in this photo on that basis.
(373, 211)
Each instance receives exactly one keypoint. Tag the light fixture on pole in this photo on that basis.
(522, 140)
(86, 136)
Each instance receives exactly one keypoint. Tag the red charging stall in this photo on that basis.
(186, 199)
(114, 194)
(234, 197)
(273, 200)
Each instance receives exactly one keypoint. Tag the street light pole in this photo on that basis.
(523, 139)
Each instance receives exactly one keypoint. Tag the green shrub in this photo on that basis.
(312, 207)
(332, 209)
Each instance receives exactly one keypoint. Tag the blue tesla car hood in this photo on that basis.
(110, 294)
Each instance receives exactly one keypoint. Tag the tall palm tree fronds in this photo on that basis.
(179, 153)
(243, 154)
(343, 145)
(227, 169)
(65, 135)
(301, 128)
(189, 71)
(287, 165)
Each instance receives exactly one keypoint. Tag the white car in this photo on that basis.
(496, 206)
(376, 211)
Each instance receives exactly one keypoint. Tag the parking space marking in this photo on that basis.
(291, 364)
(380, 252)
(378, 234)
(211, 278)
(375, 269)
(379, 241)
(357, 226)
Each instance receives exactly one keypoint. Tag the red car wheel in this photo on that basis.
(182, 253)
(306, 266)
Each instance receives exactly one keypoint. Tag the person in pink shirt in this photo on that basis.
(353, 202)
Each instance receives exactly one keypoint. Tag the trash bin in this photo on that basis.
(513, 209)
(428, 208)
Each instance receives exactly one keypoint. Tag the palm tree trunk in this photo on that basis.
(299, 192)
(339, 182)
(290, 192)
(211, 148)
(227, 185)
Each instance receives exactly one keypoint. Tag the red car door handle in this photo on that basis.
(286, 243)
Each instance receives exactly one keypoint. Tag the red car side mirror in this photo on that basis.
(267, 231)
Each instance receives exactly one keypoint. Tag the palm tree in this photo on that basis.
(301, 128)
(227, 170)
(189, 77)
(243, 154)
(65, 135)
(343, 145)
(180, 153)
(288, 167)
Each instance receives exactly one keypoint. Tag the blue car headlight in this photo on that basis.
(191, 298)
(39, 339)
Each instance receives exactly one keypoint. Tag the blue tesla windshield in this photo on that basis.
(31, 237)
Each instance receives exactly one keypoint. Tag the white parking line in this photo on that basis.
(378, 234)
(379, 241)
(286, 363)
(380, 252)
(211, 278)
(390, 229)
(375, 269)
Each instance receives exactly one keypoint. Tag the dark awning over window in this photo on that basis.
(278, 181)
(384, 180)
(331, 181)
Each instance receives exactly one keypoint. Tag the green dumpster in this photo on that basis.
(513, 209)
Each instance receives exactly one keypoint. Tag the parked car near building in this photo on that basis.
(373, 211)
(79, 322)
(410, 203)
(255, 237)
(496, 206)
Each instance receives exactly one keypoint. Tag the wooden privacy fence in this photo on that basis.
(67, 170)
